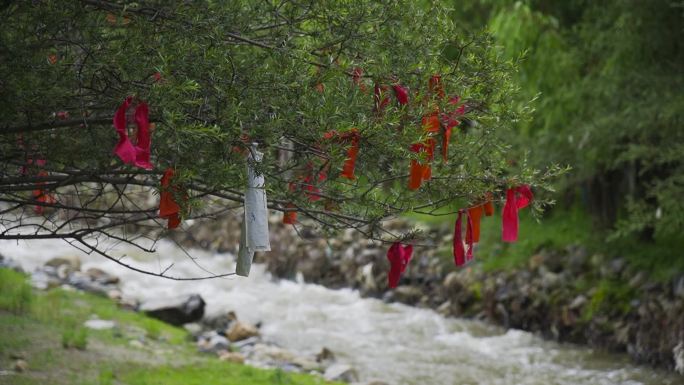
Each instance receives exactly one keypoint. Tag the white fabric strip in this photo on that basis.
(255, 236)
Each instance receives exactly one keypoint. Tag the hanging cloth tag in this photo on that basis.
(42, 195)
(168, 208)
(255, 236)
(399, 257)
(401, 93)
(488, 205)
(138, 154)
(461, 256)
(353, 139)
(475, 215)
(516, 198)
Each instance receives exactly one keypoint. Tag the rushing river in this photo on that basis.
(394, 343)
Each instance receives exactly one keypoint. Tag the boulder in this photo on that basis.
(341, 372)
(239, 331)
(177, 310)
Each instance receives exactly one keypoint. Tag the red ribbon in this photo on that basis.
(168, 208)
(489, 206)
(401, 93)
(516, 199)
(138, 154)
(461, 256)
(475, 215)
(398, 256)
(39, 194)
(353, 138)
(290, 217)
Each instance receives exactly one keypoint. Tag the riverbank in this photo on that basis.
(563, 293)
(65, 336)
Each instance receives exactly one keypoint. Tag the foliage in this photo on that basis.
(608, 78)
(15, 292)
(221, 75)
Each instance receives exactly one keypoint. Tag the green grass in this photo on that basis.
(216, 372)
(15, 292)
(47, 328)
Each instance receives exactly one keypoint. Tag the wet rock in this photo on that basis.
(678, 286)
(678, 355)
(175, 311)
(280, 357)
(72, 261)
(194, 329)
(41, 280)
(341, 372)
(212, 342)
(83, 282)
(325, 355)
(578, 302)
(136, 344)
(21, 366)
(247, 342)
(241, 330)
(233, 357)
(99, 324)
(219, 322)
(408, 294)
(100, 276)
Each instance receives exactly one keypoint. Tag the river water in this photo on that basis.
(394, 343)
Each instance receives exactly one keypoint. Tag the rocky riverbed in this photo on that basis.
(564, 295)
(222, 335)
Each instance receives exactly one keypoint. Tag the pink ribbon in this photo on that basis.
(138, 154)
(461, 256)
(398, 256)
(516, 199)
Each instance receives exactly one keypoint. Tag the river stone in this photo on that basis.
(21, 366)
(73, 261)
(678, 353)
(177, 310)
(99, 324)
(241, 330)
(408, 294)
(233, 357)
(341, 372)
(100, 276)
(678, 287)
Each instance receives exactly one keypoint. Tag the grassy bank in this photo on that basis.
(46, 330)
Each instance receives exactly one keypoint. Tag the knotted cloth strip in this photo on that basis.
(461, 255)
(399, 257)
(138, 154)
(255, 236)
(168, 208)
(516, 199)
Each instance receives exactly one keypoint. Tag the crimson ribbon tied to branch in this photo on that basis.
(168, 208)
(461, 255)
(398, 256)
(516, 198)
(137, 154)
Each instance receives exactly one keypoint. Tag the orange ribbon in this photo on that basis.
(168, 208)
